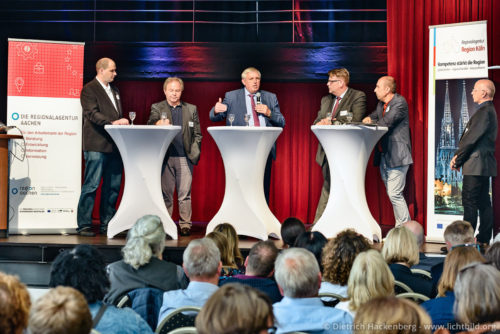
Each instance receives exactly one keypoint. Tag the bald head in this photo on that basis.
(417, 230)
(385, 88)
(484, 90)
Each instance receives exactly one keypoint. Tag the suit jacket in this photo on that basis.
(476, 150)
(396, 143)
(98, 110)
(353, 101)
(191, 131)
(235, 101)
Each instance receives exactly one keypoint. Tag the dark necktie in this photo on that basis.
(256, 121)
(336, 106)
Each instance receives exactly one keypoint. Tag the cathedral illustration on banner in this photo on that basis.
(448, 183)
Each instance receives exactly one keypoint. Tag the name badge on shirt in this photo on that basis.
(343, 113)
(191, 124)
(387, 109)
(117, 97)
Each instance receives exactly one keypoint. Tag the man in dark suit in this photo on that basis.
(335, 107)
(394, 156)
(476, 156)
(101, 105)
(183, 153)
(261, 106)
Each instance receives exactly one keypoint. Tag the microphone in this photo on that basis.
(257, 97)
(4, 128)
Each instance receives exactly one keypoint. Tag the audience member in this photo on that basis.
(424, 262)
(142, 265)
(313, 242)
(259, 266)
(62, 310)
(83, 268)
(493, 254)
(290, 229)
(233, 242)
(457, 233)
(400, 251)
(14, 305)
(338, 256)
(298, 277)
(229, 266)
(477, 297)
(202, 264)
(235, 308)
(441, 308)
(370, 278)
(391, 315)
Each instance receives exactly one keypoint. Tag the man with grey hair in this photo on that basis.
(260, 106)
(425, 262)
(301, 310)
(259, 269)
(183, 153)
(202, 264)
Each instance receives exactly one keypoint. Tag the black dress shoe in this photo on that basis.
(185, 232)
(86, 232)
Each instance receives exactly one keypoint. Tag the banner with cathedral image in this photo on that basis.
(458, 57)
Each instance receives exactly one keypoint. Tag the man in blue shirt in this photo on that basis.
(298, 277)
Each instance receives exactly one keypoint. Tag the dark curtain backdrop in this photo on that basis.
(407, 52)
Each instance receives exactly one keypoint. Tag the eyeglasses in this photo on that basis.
(467, 245)
(332, 81)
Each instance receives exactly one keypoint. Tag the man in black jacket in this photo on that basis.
(476, 156)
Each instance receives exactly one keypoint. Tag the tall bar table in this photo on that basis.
(348, 148)
(4, 182)
(244, 151)
(142, 148)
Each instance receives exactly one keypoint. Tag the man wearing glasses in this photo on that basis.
(476, 156)
(341, 102)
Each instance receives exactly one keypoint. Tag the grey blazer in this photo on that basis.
(396, 143)
(353, 101)
(191, 131)
(476, 150)
(98, 110)
(235, 101)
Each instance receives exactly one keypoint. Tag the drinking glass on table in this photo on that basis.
(247, 119)
(163, 116)
(349, 117)
(131, 115)
(230, 118)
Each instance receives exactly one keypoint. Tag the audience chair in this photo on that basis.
(184, 330)
(422, 272)
(124, 302)
(416, 297)
(331, 299)
(177, 319)
(400, 287)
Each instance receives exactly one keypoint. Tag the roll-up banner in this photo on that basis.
(458, 57)
(43, 102)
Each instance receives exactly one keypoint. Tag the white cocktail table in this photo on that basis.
(244, 151)
(348, 148)
(142, 148)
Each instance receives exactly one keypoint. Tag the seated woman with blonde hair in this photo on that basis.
(370, 278)
(143, 265)
(229, 266)
(233, 243)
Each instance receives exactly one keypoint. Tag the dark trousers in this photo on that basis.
(476, 197)
(267, 177)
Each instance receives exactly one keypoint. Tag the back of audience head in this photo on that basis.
(82, 268)
(493, 254)
(418, 231)
(232, 240)
(458, 233)
(391, 315)
(370, 278)
(226, 255)
(261, 258)
(235, 308)
(201, 259)
(14, 305)
(339, 254)
(297, 273)
(456, 259)
(400, 246)
(313, 242)
(62, 310)
(290, 229)
(144, 240)
(477, 294)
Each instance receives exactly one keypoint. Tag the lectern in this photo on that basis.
(4, 182)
